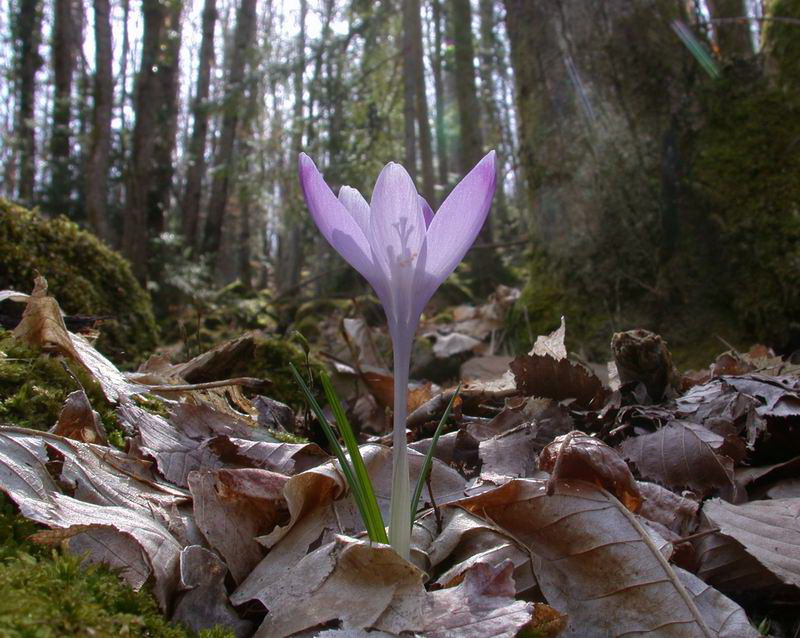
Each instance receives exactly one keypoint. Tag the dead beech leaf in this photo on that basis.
(481, 606)
(663, 506)
(589, 459)
(551, 345)
(594, 561)
(511, 454)
(382, 388)
(768, 530)
(681, 454)
(559, 379)
(204, 603)
(362, 584)
(78, 421)
(723, 562)
(232, 508)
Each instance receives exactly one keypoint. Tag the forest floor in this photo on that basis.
(565, 497)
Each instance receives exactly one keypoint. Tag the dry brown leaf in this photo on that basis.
(546, 377)
(588, 459)
(204, 603)
(485, 368)
(508, 455)
(722, 562)
(361, 584)
(663, 506)
(594, 561)
(551, 345)
(482, 606)
(78, 421)
(679, 455)
(232, 508)
(768, 530)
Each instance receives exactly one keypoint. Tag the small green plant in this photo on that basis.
(354, 470)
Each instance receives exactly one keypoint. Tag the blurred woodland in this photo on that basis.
(649, 151)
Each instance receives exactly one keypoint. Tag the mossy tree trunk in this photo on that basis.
(731, 27)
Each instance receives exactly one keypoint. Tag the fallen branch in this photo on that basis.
(247, 382)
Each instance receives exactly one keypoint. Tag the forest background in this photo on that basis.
(648, 152)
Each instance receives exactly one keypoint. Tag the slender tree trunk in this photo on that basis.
(164, 150)
(63, 50)
(409, 86)
(97, 164)
(291, 262)
(423, 123)
(438, 84)
(139, 174)
(471, 142)
(197, 146)
(732, 36)
(28, 35)
(243, 37)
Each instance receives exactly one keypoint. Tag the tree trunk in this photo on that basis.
(438, 84)
(63, 49)
(291, 262)
(423, 123)
(147, 102)
(243, 37)
(732, 36)
(197, 146)
(97, 164)
(409, 86)
(164, 150)
(27, 35)
(471, 143)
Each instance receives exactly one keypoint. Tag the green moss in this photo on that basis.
(82, 273)
(49, 594)
(287, 437)
(271, 359)
(152, 404)
(33, 387)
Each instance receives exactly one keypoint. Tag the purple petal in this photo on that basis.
(455, 227)
(354, 201)
(427, 211)
(335, 222)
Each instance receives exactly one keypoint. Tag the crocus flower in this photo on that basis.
(405, 252)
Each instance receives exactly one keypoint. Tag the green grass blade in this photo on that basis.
(370, 502)
(347, 469)
(426, 465)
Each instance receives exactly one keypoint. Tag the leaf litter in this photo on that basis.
(556, 503)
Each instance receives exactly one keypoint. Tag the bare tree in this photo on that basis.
(223, 162)
(197, 146)
(97, 164)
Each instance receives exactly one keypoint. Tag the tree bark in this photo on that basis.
(438, 84)
(197, 146)
(423, 123)
(147, 101)
(27, 34)
(471, 142)
(732, 36)
(409, 86)
(63, 50)
(243, 37)
(100, 142)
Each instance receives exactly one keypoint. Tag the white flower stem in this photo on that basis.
(400, 517)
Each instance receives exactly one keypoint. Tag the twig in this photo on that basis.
(248, 382)
(696, 535)
(436, 513)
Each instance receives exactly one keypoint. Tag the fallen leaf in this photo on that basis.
(78, 421)
(511, 454)
(204, 603)
(681, 454)
(588, 459)
(546, 377)
(768, 530)
(594, 562)
(551, 345)
(663, 506)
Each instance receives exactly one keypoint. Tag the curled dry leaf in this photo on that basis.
(681, 455)
(78, 421)
(204, 603)
(362, 584)
(589, 459)
(674, 512)
(768, 530)
(232, 508)
(594, 561)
